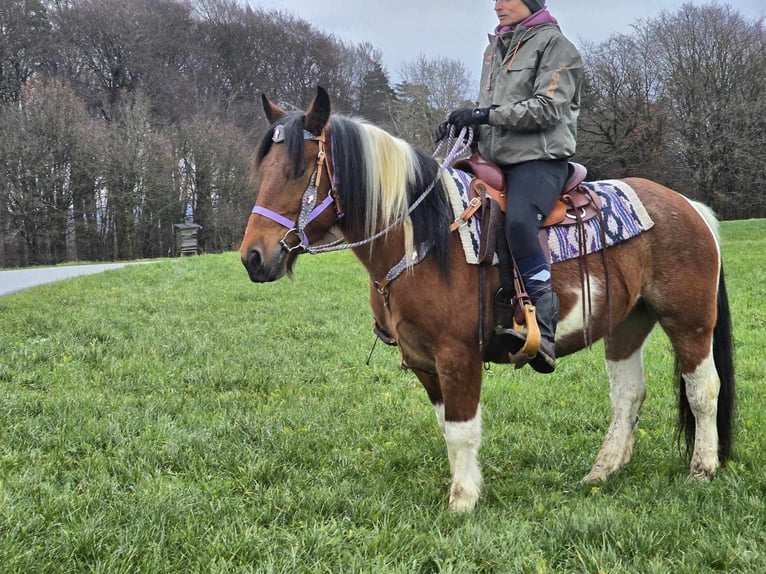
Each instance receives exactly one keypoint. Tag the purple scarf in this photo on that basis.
(536, 19)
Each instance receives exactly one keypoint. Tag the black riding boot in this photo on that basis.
(547, 311)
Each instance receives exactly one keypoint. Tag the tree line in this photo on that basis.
(119, 118)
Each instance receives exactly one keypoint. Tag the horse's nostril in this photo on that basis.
(253, 261)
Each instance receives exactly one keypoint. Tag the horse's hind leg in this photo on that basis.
(692, 342)
(624, 365)
(702, 387)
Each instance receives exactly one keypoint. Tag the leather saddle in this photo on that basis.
(487, 200)
(576, 204)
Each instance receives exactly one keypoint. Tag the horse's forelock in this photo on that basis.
(265, 145)
(294, 142)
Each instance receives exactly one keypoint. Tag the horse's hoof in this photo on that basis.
(461, 506)
(462, 501)
(702, 475)
(594, 477)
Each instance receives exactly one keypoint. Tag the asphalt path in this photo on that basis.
(18, 279)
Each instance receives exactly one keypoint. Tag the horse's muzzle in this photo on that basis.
(259, 271)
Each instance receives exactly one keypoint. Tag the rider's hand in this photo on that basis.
(441, 132)
(463, 117)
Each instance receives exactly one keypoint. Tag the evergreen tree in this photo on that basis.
(376, 97)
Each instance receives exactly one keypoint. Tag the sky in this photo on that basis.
(406, 29)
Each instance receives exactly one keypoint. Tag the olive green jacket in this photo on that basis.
(534, 93)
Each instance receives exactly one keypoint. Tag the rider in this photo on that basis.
(529, 100)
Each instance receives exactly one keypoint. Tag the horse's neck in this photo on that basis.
(380, 255)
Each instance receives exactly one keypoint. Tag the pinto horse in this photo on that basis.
(321, 173)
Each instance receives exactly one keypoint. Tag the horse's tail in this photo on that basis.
(723, 356)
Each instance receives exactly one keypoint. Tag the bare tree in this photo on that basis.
(212, 176)
(24, 28)
(45, 155)
(712, 63)
(624, 118)
(110, 48)
(428, 91)
(448, 81)
(682, 100)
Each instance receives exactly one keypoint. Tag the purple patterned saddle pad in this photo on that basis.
(624, 216)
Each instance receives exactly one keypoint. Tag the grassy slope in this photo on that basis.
(176, 418)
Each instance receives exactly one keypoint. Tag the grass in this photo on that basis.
(176, 418)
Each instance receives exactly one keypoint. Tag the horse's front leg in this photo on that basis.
(430, 381)
(461, 388)
(458, 414)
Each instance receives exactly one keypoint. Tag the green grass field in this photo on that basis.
(175, 417)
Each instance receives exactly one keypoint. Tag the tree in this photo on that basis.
(212, 173)
(24, 29)
(682, 100)
(712, 62)
(447, 82)
(376, 96)
(429, 90)
(622, 127)
(111, 48)
(46, 154)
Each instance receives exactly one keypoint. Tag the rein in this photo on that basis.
(457, 144)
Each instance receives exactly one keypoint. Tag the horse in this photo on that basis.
(322, 173)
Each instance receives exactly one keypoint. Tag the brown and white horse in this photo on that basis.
(321, 173)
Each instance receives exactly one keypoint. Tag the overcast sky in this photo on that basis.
(405, 29)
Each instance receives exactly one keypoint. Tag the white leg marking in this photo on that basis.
(463, 441)
(702, 388)
(439, 410)
(627, 392)
(572, 322)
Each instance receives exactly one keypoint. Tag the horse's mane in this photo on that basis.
(378, 177)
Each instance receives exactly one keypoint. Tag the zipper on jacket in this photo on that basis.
(491, 74)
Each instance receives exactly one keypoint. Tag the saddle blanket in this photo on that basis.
(623, 213)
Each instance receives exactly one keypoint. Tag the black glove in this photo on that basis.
(442, 131)
(468, 117)
(461, 118)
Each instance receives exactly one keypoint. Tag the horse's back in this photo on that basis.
(666, 271)
(684, 231)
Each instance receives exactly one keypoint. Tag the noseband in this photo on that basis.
(309, 208)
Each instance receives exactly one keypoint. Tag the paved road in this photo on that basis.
(18, 279)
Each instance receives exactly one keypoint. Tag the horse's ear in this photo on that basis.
(319, 112)
(273, 112)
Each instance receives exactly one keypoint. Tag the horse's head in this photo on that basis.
(295, 170)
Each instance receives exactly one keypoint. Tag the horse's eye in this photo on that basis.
(303, 173)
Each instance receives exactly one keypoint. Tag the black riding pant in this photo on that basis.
(531, 191)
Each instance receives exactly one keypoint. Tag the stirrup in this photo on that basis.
(532, 337)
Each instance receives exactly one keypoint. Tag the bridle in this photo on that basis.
(456, 144)
(309, 208)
